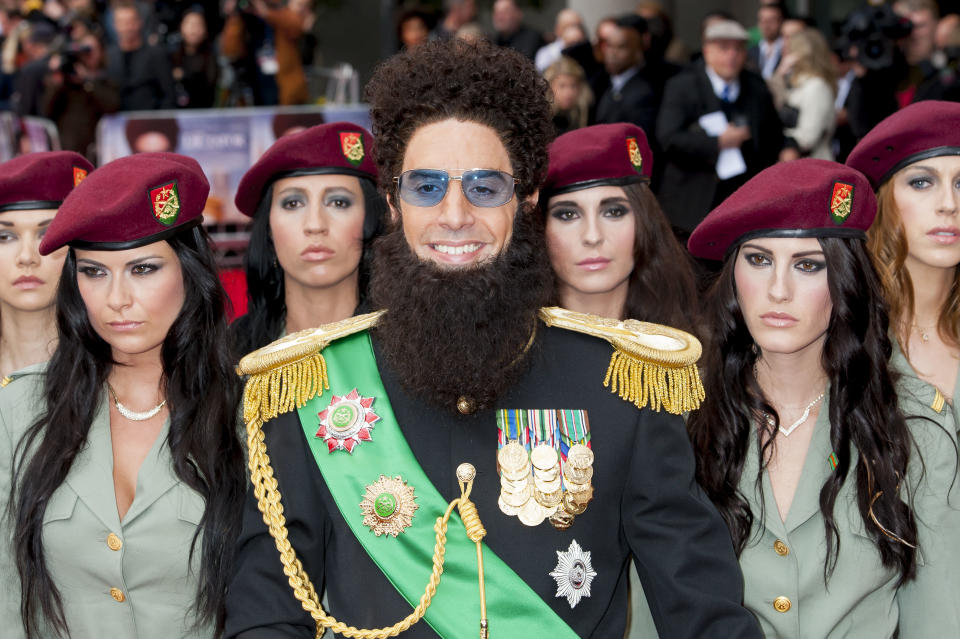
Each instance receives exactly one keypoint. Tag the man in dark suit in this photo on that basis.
(764, 56)
(714, 90)
(631, 96)
(465, 367)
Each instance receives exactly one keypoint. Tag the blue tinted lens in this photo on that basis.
(487, 188)
(423, 187)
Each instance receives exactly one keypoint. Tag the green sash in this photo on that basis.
(514, 610)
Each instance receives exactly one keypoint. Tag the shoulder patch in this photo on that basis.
(652, 365)
(291, 371)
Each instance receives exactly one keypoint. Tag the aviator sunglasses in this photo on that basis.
(482, 187)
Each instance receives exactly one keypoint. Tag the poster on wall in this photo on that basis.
(226, 142)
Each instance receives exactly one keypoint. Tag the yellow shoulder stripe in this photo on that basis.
(291, 371)
(938, 400)
(652, 365)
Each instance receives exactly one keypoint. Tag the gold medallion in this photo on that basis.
(548, 500)
(388, 506)
(513, 457)
(517, 499)
(531, 514)
(507, 509)
(544, 457)
(561, 520)
(546, 486)
(578, 476)
(571, 506)
(580, 456)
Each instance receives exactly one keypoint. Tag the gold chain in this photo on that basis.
(266, 490)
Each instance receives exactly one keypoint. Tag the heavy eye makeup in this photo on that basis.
(803, 263)
(138, 268)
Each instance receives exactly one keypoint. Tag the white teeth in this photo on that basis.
(456, 250)
(945, 233)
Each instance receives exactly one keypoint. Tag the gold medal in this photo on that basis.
(514, 486)
(544, 457)
(513, 457)
(531, 514)
(561, 520)
(507, 509)
(517, 499)
(571, 506)
(546, 486)
(578, 476)
(516, 475)
(547, 475)
(548, 500)
(579, 456)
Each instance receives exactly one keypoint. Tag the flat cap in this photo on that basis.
(337, 147)
(802, 198)
(40, 180)
(130, 202)
(599, 155)
(916, 132)
(725, 30)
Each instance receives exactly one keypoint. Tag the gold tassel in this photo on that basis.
(644, 383)
(285, 388)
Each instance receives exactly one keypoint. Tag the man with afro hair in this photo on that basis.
(555, 436)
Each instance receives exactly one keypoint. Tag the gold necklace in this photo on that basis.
(924, 336)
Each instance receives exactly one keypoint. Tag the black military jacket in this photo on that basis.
(646, 505)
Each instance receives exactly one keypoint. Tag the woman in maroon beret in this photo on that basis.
(834, 476)
(125, 468)
(315, 208)
(31, 188)
(611, 247)
(913, 161)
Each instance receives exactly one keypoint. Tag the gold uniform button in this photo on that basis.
(781, 604)
(118, 595)
(781, 548)
(113, 542)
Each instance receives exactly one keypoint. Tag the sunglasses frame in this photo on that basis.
(458, 178)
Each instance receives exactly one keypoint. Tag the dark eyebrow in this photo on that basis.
(39, 224)
(614, 200)
(808, 253)
(338, 189)
(565, 203)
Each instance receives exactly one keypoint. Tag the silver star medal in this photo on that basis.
(574, 574)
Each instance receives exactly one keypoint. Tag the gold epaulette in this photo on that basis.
(652, 365)
(939, 401)
(291, 371)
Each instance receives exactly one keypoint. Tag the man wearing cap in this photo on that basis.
(717, 128)
(453, 464)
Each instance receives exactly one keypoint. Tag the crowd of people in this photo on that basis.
(678, 374)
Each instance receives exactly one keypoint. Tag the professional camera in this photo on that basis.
(70, 53)
(874, 31)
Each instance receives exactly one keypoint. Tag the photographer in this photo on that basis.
(77, 92)
(869, 40)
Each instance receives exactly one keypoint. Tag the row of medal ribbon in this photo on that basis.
(546, 465)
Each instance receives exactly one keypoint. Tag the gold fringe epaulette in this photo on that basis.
(291, 371)
(652, 365)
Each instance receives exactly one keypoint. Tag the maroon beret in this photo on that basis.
(133, 201)
(40, 180)
(802, 198)
(926, 129)
(337, 147)
(603, 154)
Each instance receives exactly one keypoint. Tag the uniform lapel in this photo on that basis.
(748, 485)
(91, 475)
(155, 477)
(816, 469)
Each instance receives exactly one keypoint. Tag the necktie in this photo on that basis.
(725, 94)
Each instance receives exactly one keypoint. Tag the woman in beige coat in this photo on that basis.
(837, 480)
(126, 470)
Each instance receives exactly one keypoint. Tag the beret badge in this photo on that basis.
(841, 202)
(78, 175)
(633, 149)
(165, 200)
(351, 144)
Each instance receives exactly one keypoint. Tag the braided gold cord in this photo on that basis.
(266, 490)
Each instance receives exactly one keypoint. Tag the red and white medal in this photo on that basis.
(347, 421)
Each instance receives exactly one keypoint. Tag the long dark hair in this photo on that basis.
(863, 410)
(662, 286)
(201, 392)
(266, 294)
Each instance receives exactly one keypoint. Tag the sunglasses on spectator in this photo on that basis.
(482, 187)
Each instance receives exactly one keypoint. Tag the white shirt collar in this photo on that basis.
(617, 82)
(718, 83)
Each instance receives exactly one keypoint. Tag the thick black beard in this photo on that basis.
(451, 333)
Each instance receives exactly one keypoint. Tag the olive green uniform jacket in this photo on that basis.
(783, 562)
(131, 578)
(898, 362)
